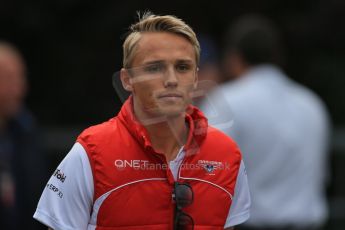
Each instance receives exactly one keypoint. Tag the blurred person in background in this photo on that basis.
(21, 165)
(209, 74)
(281, 126)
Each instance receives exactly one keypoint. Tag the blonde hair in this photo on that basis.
(149, 22)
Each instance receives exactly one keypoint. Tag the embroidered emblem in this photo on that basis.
(212, 166)
(209, 168)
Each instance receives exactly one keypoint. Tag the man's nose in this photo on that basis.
(170, 78)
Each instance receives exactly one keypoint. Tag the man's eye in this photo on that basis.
(183, 68)
(153, 68)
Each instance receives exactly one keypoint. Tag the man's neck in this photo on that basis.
(168, 136)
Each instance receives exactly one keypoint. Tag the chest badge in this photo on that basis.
(209, 168)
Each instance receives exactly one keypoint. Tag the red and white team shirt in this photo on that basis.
(76, 194)
(67, 200)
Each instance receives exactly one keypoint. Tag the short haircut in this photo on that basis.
(149, 22)
(255, 39)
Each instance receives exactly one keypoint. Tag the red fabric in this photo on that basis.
(148, 204)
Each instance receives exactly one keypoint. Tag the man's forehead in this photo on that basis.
(162, 46)
(161, 40)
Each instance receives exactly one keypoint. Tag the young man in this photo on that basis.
(157, 164)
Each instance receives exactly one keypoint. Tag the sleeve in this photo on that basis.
(67, 199)
(239, 210)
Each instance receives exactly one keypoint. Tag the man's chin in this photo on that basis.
(167, 113)
(172, 111)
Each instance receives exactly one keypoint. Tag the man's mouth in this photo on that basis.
(170, 96)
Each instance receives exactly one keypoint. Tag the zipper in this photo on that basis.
(179, 168)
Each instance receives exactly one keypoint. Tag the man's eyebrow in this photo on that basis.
(153, 62)
(187, 61)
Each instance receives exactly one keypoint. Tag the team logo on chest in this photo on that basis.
(212, 166)
(138, 164)
(209, 168)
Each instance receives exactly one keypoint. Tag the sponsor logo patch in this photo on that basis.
(59, 175)
(55, 190)
(212, 166)
(139, 165)
(209, 168)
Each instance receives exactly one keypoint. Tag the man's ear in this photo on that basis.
(126, 80)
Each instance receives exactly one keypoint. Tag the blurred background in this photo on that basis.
(72, 48)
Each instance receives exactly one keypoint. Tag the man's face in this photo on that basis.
(163, 75)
